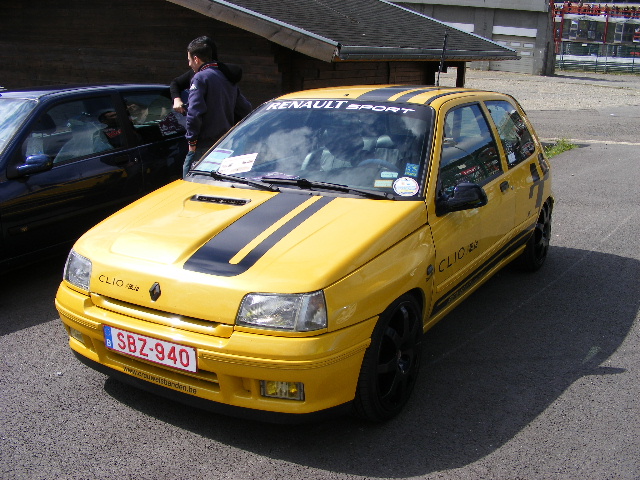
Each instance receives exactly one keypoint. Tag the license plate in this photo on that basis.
(151, 349)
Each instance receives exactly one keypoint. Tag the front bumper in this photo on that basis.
(229, 369)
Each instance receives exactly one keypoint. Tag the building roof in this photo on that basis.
(351, 30)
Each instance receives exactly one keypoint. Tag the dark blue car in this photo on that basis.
(70, 156)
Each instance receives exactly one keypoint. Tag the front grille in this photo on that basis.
(168, 319)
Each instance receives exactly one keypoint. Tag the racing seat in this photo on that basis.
(313, 160)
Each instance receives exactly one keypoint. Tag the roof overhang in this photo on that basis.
(424, 54)
(272, 29)
(326, 49)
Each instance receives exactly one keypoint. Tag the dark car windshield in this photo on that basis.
(362, 146)
(12, 114)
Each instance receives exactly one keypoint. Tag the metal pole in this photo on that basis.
(444, 49)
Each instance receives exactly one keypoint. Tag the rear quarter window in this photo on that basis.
(516, 138)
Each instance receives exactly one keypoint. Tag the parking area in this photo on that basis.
(534, 376)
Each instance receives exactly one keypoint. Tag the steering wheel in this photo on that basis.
(379, 163)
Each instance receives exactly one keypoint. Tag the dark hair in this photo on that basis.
(204, 48)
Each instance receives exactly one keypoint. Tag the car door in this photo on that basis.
(467, 242)
(92, 171)
(159, 134)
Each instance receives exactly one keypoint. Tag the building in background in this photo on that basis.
(547, 34)
(597, 36)
(523, 25)
(282, 46)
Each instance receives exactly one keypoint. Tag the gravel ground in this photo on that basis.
(565, 90)
(584, 108)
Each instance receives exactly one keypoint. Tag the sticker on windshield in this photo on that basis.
(239, 164)
(383, 183)
(212, 161)
(335, 104)
(411, 170)
(405, 187)
(389, 174)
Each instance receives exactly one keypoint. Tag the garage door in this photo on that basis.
(525, 46)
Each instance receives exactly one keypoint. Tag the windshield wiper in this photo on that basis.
(233, 178)
(311, 184)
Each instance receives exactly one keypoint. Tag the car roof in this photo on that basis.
(422, 94)
(42, 92)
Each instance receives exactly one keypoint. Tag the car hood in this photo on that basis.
(188, 237)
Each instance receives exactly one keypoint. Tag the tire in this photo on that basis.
(537, 247)
(391, 363)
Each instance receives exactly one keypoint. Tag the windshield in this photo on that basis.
(368, 147)
(12, 114)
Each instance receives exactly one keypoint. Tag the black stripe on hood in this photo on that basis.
(214, 256)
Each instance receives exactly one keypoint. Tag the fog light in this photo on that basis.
(76, 334)
(286, 390)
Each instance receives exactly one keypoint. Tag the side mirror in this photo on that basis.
(466, 196)
(34, 164)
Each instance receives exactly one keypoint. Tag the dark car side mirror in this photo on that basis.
(33, 164)
(466, 196)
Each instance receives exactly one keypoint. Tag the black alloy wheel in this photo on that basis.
(537, 248)
(392, 362)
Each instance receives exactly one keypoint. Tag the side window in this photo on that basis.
(516, 138)
(153, 117)
(469, 152)
(75, 129)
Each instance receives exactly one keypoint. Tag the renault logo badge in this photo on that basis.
(155, 292)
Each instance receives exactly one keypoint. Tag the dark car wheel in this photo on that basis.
(391, 363)
(537, 248)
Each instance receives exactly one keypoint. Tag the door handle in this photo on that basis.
(504, 186)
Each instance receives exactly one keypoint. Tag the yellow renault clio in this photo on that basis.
(297, 266)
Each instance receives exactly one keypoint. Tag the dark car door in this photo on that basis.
(93, 169)
(159, 132)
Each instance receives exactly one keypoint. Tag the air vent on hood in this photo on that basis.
(220, 200)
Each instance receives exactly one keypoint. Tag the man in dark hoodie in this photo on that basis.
(179, 86)
(215, 104)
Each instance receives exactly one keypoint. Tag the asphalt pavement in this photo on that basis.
(535, 376)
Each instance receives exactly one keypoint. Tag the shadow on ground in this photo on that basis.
(490, 368)
(22, 291)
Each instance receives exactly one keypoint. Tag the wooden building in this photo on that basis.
(282, 46)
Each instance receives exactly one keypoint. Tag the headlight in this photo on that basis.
(77, 270)
(296, 312)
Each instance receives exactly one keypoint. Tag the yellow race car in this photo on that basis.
(297, 266)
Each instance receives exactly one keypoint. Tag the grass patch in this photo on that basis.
(561, 145)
